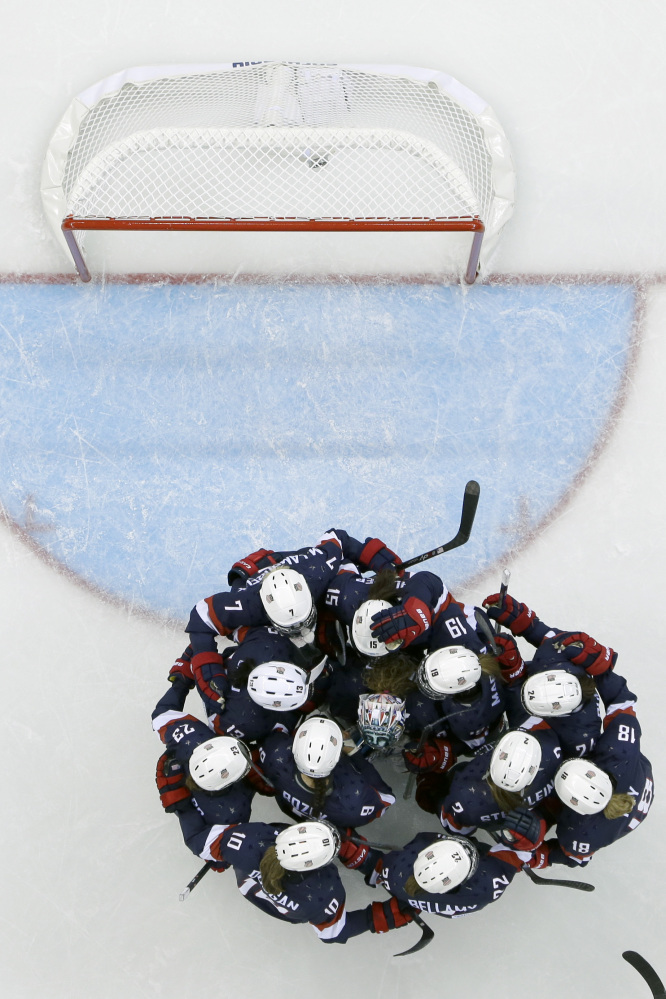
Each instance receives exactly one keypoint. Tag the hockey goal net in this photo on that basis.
(279, 146)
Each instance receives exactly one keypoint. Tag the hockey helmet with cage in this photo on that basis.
(218, 763)
(453, 669)
(445, 864)
(381, 719)
(551, 693)
(286, 598)
(515, 761)
(317, 746)
(361, 636)
(278, 686)
(583, 786)
(307, 846)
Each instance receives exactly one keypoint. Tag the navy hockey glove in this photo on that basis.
(523, 830)
(170, 779)
(403, 623)
(375, 556)
(434, 756)
(582, 650)
(390, 915)
(510, 660)
(516, 616)
(182, 668)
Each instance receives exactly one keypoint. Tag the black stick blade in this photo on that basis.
(558, 882)
(470, 503)
(647, 972)
(426, 936)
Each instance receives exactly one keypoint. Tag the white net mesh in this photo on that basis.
(279, 141)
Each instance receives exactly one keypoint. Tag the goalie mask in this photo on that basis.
(381, 719)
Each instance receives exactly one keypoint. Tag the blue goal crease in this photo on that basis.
(153, 434)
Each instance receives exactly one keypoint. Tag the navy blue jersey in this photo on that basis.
(455, 624)
(345, 686)
(469, 801)
(488, 883)
(223, 613)
(315, 897)
(469, 716)
(356, 793)
(618, 754)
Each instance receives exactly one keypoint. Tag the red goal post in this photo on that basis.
(279, 146)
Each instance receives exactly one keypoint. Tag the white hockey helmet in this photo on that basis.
(551, 693)
(582, 786)
(515, 761)
(360, 634)
(278, 686)
(219, 762)
(307, 846)
(288, 602)
(381, 719)
(447, 671)
(317, 746)
(445, 864)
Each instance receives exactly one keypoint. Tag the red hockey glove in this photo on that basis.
(430, 792)
(255, 778)
(403, 623)
(582, 650)
(375, 556)
(390, 915)
(510, 659)
(516, 616)
(210, 675)
(434, 756)
(183, 668)
(523, 830)
(249, 566)
(170, 779)
(540, 858)
(351, 854)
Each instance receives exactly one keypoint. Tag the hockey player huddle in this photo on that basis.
(337, 657)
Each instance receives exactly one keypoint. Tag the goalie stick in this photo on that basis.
(646, 971)
(469, 505)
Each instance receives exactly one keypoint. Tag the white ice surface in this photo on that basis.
(92, 868)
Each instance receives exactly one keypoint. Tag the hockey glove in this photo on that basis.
(352, 854)
(523, 830)
(375, 556)
(516, 616)
(541, 857)
(182, 668)
(254, 777)
(210, 676)
(403, 623)
(430, 792)
(582, 650)
(249, 566)
(510, 660)
(390, 915)
(434, 756)
(170, 779)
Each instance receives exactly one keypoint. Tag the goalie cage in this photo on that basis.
(279, 146)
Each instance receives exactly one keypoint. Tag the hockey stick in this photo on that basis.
(647, 972)
(194, 882)
(426, 936)
(469, 505)
(558, 882)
